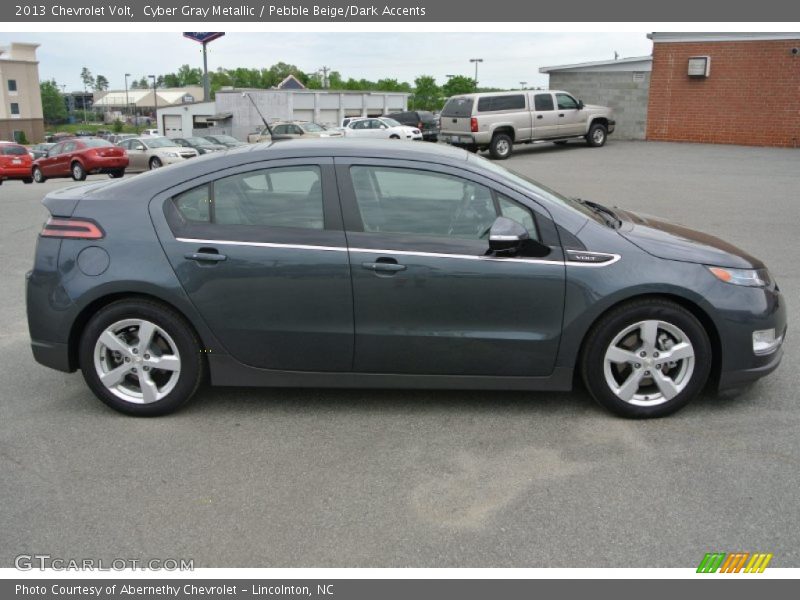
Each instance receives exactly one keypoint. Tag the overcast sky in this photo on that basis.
(509, 58)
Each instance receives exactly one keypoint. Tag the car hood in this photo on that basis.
(672, 241)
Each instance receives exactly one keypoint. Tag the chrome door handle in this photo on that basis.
(386, 267)
(205, 256)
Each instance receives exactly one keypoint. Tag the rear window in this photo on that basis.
(495, 103)
(12, 150)
(458, 107)
(96, 143)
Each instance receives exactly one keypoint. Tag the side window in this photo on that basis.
(297, 130)
(278, 197)
(361, 124)
(68, 147)
(496, 103)
(411, 201)
(566, 102)
(522, 215)
(55, 150)
(195, 205)
(543, 102)
(279, 129)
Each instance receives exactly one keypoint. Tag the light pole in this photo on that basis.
(155, 100)
(522, 84)
(127, 102)
(476, 61)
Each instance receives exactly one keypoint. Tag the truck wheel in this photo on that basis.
(501, 146)
(597, 135)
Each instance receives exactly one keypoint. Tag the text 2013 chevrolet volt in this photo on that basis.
(338, 263)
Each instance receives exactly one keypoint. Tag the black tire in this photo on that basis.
(501, 146)
(27, 180)
(394, 137)
(38, 176)
(155, 163)
(192, 363)
(77, 171)
(597, 136)
(615, 322)
(117, 174)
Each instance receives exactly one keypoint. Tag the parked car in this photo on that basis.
(15, 162)
(423, 120)
(498, 120)
(201, 144)
(148, 152)
(419, 266)
(80, 157)
(381, 127)
(116, 138)
(224, 140)
(293, 129)
(39, 150)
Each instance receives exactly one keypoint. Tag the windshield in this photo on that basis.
(226, 139)
(391, 122)
(198, 141)
(537, 188)
(97, 143)
(159, 142)
(313, 127)
(458, 107)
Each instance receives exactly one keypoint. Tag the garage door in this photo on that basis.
(173, 126)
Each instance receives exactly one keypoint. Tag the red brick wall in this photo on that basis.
(751, 97)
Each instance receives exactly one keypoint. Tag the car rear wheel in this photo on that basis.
(394, 137)
(501, 146)
(597, 135)
(155, 163)
(78, 172)
(141, 358)
(646, 358)
(38, 176)
(117, 174)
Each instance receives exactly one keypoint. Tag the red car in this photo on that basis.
(81, 157)
(15, 162)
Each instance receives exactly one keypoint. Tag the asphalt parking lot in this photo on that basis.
(320, 478)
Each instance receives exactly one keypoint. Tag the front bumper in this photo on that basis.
(731, 379)
(612, 124)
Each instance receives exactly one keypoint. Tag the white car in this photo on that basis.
(151, 132)
(381, 127)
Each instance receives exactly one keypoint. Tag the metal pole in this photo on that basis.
(127, 102)
(206, 86)
(155, 102)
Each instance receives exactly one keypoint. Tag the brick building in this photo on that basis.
(725, 88)
(20, 97)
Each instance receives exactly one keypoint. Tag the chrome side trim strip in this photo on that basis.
(535, 261)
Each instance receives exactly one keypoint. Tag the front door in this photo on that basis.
(427, 298)
(570, 118)
(261, 253)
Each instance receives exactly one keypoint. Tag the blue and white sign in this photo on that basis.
(203, 36)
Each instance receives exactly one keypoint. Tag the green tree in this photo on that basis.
(117, 126)
(52, 102)
(427, 95)
(459, 84)
(100, 83)
(87, 78)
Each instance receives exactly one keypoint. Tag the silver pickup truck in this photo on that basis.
(498, 120)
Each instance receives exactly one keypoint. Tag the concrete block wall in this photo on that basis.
(619, 90)
(751, 97)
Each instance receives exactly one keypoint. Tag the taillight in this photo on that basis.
(419, 125)
(82, 229)
(473, 124)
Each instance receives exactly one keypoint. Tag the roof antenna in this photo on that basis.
(253, 102)
(616, 55)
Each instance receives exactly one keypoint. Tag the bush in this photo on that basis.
(117, 126)
(22, 138)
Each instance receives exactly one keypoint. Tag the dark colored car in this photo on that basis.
(224, 140)
(423, 120)
(365, 264)
(201, 144)
(80, 157)
(40, 150)
(15, 162)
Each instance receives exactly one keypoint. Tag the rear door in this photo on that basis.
(261, 253)
(427, 298)
(545, 118)
(507, 109)
(570, 119)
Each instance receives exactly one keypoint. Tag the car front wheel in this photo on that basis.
(155, 163)
(646, 358)
(38, 176)
(78, 172)
(141, 358)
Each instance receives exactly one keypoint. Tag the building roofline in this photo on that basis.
(597, 63)
(757, 36)
(310, 91)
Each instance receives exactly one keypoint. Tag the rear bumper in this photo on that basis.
(107, 165)
(52, 354)
(16, 173)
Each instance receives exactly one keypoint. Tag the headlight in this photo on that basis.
(171, 154)
(746, 277)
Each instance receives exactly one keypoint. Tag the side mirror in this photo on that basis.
(384, 127)
(506, 235)
(580, 105)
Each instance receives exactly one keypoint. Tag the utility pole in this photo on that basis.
(522, 84)
(155, 100)
(127, 102)
(325, 83)
(476, 61)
